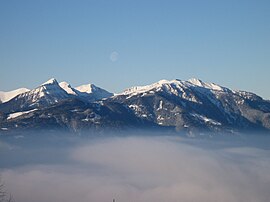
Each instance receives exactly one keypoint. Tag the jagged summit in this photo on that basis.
(87, 88)
(47, 93)
(212, 86)
(195, 81)
(64, 84)
(174, 86)
(184, 105)
(93, 91)
(67, 87)
(50, 81)
(52, 92)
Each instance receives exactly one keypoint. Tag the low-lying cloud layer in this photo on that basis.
(145, 169)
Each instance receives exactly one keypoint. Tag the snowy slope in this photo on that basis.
(67, 87)
(176, 87)
(17, 114)
(184, 105)
(44, 95)
(194, 103)
(179, 88)
(87, 92)
(49, 92)
(93, 92)
(6, 96)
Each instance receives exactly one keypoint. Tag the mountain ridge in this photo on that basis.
(8, 95)
(189, 106)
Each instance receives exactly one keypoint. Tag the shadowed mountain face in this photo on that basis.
(189, 106)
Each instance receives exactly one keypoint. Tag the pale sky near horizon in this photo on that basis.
(116, 44)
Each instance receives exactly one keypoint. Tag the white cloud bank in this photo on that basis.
(146, 170)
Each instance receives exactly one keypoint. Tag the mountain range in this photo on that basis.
(191, 106)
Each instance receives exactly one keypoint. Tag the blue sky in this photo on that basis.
(226, 42)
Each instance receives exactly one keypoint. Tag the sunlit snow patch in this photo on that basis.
(16, 114)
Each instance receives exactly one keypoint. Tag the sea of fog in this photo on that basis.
(136, 168)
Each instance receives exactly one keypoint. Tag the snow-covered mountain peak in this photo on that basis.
(64, 84)
(196, 82)
(50, 81)
(92, 92)
(163, 81)
(142, 89)
(188, 105)
(49, 92)
(87, 88)
(177, 87)
(67, 87)
(6, 96)
(211, 86)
